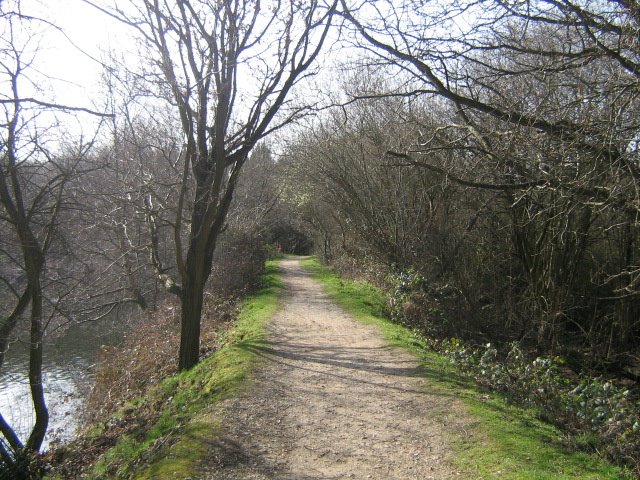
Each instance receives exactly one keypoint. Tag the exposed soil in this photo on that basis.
(332, 400)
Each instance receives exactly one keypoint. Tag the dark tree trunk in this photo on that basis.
(197, 269)
(35, 373)
(205, 229)
(192, 296)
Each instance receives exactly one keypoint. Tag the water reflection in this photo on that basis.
(68, 374)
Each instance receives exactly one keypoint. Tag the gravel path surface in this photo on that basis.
(332, 400)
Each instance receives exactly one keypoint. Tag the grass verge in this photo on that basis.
(173, 446)
(509, 442)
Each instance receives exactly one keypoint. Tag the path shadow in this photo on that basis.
(342, 357)
(296, 359)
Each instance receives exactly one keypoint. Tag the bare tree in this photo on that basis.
(544, 101)
(229, 69)
(34, 174)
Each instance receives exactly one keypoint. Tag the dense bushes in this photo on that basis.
(600, 414)
(238, 262)
(539, 265)
(509, 181)
(419, 305)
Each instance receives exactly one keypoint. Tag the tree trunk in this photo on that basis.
(192, 296)
(35, 372)
(197, 268)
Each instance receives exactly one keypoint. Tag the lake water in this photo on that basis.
(69, 362)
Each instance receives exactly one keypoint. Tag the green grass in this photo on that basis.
(507, 442)
(174, 446)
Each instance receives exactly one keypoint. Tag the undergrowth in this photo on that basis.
(156, 434)
(510, 442)
(596, 413)
(148, 353)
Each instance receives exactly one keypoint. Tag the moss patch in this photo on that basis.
(181, 458)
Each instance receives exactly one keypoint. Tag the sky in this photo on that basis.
(67, 65)
(89, 32)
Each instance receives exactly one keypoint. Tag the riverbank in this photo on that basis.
(70, 358)
(155, 426)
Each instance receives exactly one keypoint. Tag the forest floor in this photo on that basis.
(332, 399)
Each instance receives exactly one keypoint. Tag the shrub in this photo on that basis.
(418, 304)
(238, 263)
(24, 465)
(600, 414)
(597, 413)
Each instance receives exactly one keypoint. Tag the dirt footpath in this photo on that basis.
(331, 401)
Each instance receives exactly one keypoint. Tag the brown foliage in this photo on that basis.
(145, 358)
(148, 354)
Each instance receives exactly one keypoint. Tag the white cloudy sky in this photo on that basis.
(66, 65)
